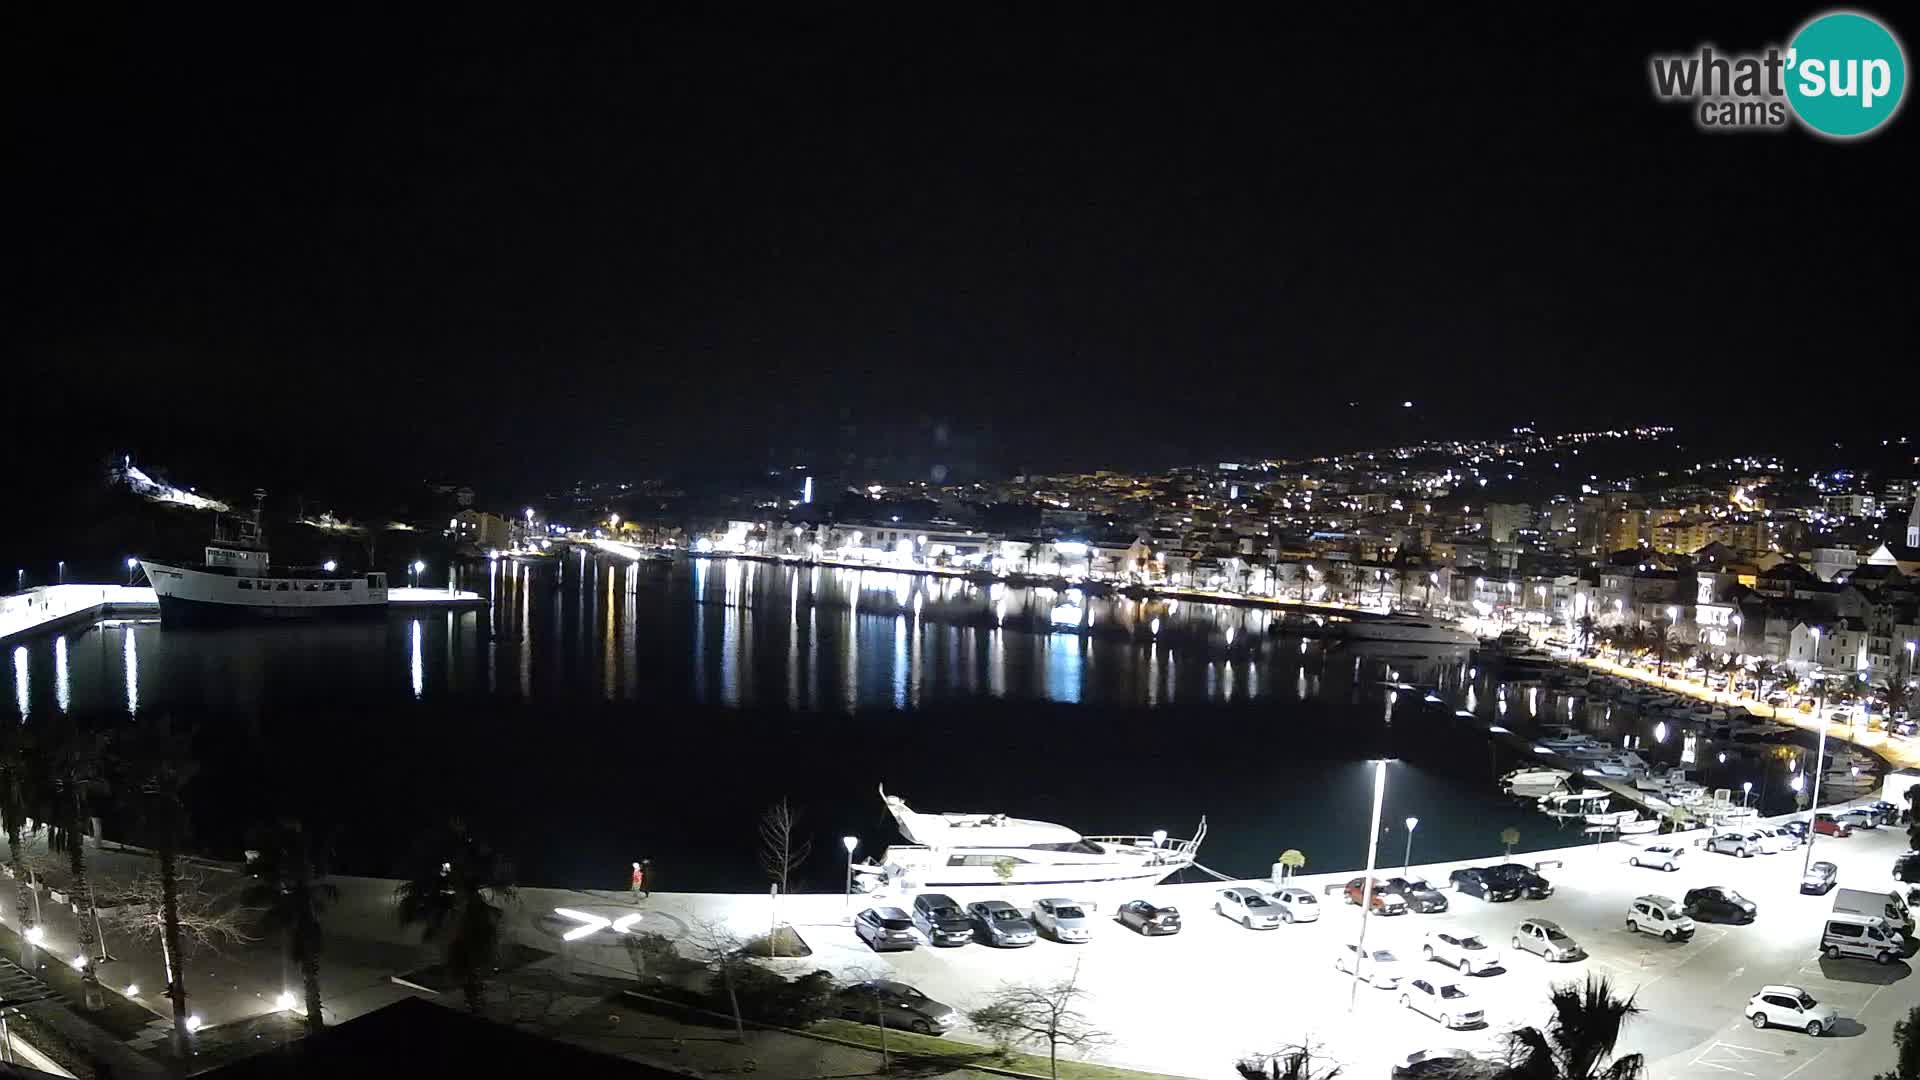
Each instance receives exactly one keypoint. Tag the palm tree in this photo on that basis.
(455, 895)
(72, 763)
(1509, 836)
(16, 767)
(1303, 576)
(158, 765)
(1336, 580)
(1291, 860)
(1587, 626)
(286, 889)
(1579, 1038)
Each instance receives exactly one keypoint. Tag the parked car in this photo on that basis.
(1444, 1064)
(1065, 920)
(1828, 825)
(886, 929)
(1297, 905)
(1819, 877)
(1717, 902)
(1778, 839)
(1665, 856)
(1796, 829)
(1248, 908)
(1865, 936)
(1858, 819)
(1739, 843)
(1885, 812)
(1660, 916)
(1383, 902)
(1445, 1002)
(1482, 882)
(1419, 895)
(1546, 940)
(1531, 885)
(1906, 867)
(903, 1007)
(1791, 1007)
(1150, 919)
(1379, 967)
(939, 918)
(1465, 952)
(1002, 924)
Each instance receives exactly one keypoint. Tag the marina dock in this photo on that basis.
(52, 607)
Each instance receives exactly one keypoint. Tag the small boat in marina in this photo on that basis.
(1575, 804)
(1533, 782)
(1624, 822)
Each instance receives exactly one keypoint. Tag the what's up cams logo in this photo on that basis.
(1843, 76)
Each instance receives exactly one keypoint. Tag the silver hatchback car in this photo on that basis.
(1546, 940)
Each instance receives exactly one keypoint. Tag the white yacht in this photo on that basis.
(954, 850)
(237, 582)
(1533, 782)
(1569, 804)
(1409, 628)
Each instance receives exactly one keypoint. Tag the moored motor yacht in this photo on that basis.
(957, 850)
(1406, 628)
(1533, 782)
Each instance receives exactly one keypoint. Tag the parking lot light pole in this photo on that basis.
(1366, 888)
(1406, 865)
(1819, 758)
(849, 842)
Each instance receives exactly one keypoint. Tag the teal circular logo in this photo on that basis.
(1845, 74)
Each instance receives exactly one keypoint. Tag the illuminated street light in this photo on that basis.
(1746, 789)
(329, 566)
(1366, 891)
(1819, 760)
(849, 842)
(131, 564)
(1406, 864)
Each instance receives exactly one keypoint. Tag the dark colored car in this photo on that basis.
(1419, 895)
(1719, 904)
(1796, 829)
(939, 917)
(1150, 920)
(1482, 882)
(1531, 885)
(1907, 868)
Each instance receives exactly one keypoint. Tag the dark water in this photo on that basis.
(597, 712)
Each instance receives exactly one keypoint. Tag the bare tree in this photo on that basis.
(781, 853)
(203, 918)
(1040, 1013)
(721, 951)
(1303, 1061)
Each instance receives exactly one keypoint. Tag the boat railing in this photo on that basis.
(1169, 849)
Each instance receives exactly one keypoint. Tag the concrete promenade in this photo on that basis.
(1189, 1004)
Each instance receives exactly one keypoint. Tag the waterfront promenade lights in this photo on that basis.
(329, 566)
(1366, 890)
(60, 578)
(1746, 789)
(1819, 765)
(849, 842)
(419, 566)
(1406, 864)
(131, 564)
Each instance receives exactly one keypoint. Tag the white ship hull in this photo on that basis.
(1420, 631)
(195, 595)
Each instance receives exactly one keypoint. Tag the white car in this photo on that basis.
(1790, 1007)
(1661, 916)
(1445, 1002)
(1066, 920)
(1780, 838)
(1297, 905)
(1859, 819)
(1464, 952)
(1665, 856)
(1379, 967)
(1248, 908)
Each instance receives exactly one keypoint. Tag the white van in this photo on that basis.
(1854, 935)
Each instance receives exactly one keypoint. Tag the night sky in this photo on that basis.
(520, 251)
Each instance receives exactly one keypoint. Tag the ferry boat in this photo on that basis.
(958, 850)
(238, 583)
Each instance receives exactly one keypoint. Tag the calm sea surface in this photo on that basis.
(595, 712)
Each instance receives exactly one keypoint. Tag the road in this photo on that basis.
(1191, 1004)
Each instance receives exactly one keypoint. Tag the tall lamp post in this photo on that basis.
(1746, 789)
(1406, 864)
(1819, 759)
(419, 566)
(131, 563)
(849, 842)
(1366, 890)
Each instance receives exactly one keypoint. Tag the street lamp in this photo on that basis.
(1746, 789)
(1366, 889)
(850, 842)
(131, 563)
(1819, 759)
(1406, 864)
(329, 566)
(60, 578)
(419, 565)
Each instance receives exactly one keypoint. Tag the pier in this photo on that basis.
(52, 607)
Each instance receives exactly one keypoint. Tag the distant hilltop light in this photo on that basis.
(1406, 404)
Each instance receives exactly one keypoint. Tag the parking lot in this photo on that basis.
(1191, 1004)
